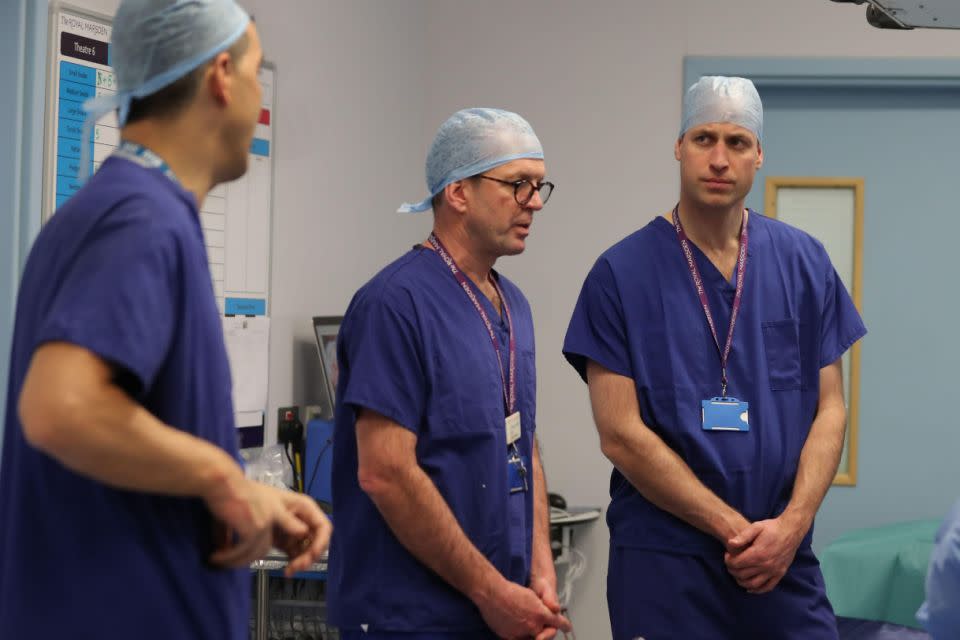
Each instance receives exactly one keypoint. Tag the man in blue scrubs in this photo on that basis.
(125, 512)
(710, 341)
(940, 613)
(438, 488)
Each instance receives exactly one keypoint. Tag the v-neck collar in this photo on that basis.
(497, 317)
(707, 268)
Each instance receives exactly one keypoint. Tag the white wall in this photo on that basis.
(349, 145)
(601, 83)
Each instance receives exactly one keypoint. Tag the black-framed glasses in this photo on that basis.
(523, 190)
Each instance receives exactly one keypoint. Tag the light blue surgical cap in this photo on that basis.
(157, 42)
(723, 99)
(472, 141)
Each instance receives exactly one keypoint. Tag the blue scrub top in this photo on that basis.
(639, 315)
(939, 613)
(120, 270)
(413, 348)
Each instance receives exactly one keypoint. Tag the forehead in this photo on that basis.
(254, 38)
(522, 168)
(724, 129)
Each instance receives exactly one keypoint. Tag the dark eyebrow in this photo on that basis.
(520, 177)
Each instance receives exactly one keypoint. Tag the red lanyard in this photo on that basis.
(698, 283)
(509, 382)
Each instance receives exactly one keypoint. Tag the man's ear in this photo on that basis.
(219, 77)
(676, 148)
(759, 155)
(456, 196)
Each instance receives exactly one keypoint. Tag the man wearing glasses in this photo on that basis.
(711, 342)
(439, 494)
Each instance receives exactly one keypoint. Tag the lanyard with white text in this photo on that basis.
(508, 382)
(139, 154)
(698, 283)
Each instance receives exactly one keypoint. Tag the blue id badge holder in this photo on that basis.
(516, 472)
(725, 414)
(516, 464)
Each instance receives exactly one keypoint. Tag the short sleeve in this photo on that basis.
(597, 329)
(381, 350)
(841, 324)
(119, 299)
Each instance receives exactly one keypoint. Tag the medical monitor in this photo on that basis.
(325, 328)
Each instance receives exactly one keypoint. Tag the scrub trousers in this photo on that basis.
(658, 595)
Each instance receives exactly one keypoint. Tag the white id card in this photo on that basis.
(512, 425)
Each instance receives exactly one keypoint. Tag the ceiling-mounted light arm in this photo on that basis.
(884, 18)
(911, 14)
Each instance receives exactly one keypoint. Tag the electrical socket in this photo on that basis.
(287, 420)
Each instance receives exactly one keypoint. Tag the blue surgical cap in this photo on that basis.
(157, 42)
(472, 141)
(723, 99)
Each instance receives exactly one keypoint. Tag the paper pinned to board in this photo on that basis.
(247, 339)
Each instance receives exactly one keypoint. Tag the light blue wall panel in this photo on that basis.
(23, 25)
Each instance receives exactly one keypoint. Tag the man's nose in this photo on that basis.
(719, 160)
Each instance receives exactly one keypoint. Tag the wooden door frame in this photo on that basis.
(848, 476)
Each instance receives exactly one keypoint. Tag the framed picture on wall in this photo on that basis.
(831, 210)
(326, 329)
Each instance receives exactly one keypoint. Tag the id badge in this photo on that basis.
(516, 473)
(725, 414)
(512, 427)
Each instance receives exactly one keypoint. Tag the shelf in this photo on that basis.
(276, 559)
(574, 516)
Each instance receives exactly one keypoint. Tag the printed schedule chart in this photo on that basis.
(83, 72)
(236, 217)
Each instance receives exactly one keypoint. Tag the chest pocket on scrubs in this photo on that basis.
(781, 341)
(466, 397)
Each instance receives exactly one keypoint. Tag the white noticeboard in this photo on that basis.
(236, 217)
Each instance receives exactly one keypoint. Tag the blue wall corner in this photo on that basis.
(23, 55)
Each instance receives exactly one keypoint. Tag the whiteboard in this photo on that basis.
(236, 217)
